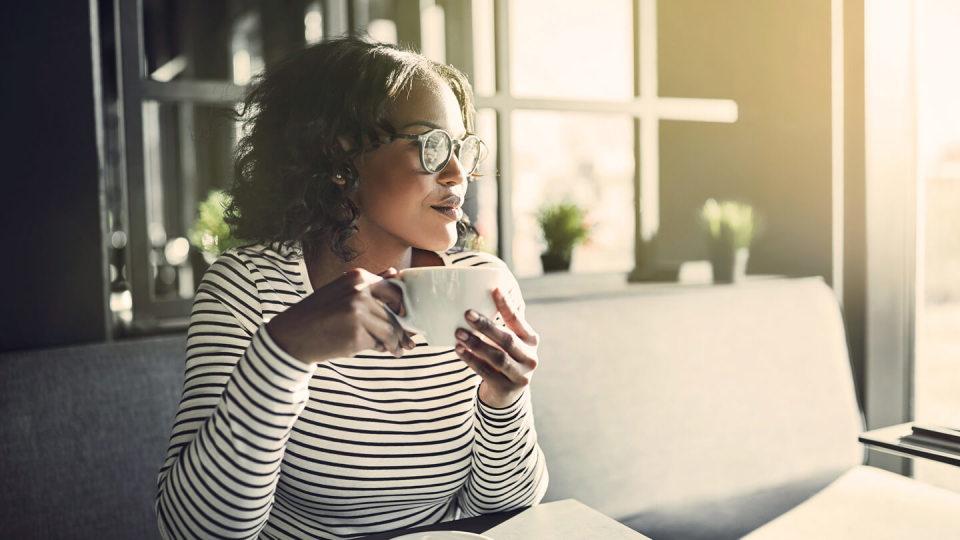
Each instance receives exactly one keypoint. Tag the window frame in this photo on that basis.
(503, 103)
(134, 87)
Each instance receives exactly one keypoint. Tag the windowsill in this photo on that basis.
(539, 289)
(570, 286)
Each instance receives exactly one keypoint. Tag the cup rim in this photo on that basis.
(459, 268)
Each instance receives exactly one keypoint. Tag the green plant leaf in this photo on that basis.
(563, 226)
(729, 221)
(210, 232)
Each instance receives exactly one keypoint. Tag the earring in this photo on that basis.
(338, 179)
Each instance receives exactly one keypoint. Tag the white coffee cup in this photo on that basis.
(435, 299)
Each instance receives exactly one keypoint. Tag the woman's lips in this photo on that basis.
(453, 214)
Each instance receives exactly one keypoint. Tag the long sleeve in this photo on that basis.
(509, 470)
(241, 396)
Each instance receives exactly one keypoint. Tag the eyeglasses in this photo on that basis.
(436, 147)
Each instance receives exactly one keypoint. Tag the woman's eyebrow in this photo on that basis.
(427, 123)
(422, 123)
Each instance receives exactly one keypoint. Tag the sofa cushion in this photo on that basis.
(728, 518)
(675, 395)
(870, 504)
(83, 431)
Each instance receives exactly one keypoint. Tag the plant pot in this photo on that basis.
(729, 262)
(555, 262)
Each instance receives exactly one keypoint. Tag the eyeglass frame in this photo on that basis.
(455, 146)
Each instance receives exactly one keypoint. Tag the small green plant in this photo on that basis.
(210, 233)
(563, 226)
(729, 221)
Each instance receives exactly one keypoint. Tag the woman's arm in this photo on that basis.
(241, 396)
(509, 470)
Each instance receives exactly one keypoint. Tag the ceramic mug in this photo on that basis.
(435, 299)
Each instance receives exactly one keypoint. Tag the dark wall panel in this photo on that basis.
(49, 192)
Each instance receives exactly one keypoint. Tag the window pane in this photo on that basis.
(582, 158)
(485, 188)
(484, 63)
(228, 40)
(589, 56)
(402, 23)
(187, 153)
(937, 365)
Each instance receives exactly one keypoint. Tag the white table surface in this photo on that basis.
(867, 503)
(567, 519)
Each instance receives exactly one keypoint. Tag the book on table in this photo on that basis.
(937, 437)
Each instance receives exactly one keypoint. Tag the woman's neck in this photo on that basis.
(325, 266)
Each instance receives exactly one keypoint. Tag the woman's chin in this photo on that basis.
(442, 243)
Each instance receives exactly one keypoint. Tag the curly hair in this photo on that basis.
(292, 117)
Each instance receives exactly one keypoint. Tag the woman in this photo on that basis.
(306, 412)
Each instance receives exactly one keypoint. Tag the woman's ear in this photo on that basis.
(345, 143)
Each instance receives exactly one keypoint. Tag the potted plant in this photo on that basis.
(210, 233)
(730, 227)
(563, 226)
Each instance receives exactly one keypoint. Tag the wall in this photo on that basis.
(773, 59)
(49, 194)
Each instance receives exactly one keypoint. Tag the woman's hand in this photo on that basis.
(504, 358)
(343, 318)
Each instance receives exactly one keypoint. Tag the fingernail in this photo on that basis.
(472, 315)
(461, 334)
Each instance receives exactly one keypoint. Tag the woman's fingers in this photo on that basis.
(505, 339)
(382, 332)
(384, 328)
(389, 294)
(495, 356)
(389, 273)
(520, 327)
(483, 368)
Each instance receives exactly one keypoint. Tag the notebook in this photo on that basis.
(568, 519)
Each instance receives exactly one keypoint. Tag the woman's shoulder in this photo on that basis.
(249, 262)
(275, 253)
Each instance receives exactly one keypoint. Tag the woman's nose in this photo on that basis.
(453, 173)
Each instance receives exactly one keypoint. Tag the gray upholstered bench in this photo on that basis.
(82, 433)
(685, 413)
(700, 412)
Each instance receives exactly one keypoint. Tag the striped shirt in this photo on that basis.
(264, 446)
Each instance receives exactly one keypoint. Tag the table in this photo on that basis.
(567, 519)
(888, 439)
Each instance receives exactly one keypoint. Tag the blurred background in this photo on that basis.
(837, 122)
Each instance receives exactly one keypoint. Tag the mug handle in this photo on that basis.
(405, 322)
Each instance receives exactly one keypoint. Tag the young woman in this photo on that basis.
(306, 412)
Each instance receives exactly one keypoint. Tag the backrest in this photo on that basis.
(692, 393)
(83, 431)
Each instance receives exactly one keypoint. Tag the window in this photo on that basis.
(582, 157)
(556, 133)
(937, 360)
(563, 143)
(182, 69)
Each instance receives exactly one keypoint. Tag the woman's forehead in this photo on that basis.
(428, 103)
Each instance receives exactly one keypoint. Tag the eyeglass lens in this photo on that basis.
(437, 147)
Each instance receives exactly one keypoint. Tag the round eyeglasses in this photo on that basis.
(436, 147)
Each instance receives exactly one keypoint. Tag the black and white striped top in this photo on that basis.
(263, 446)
